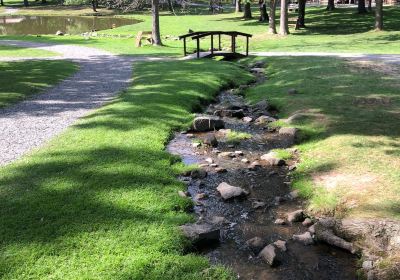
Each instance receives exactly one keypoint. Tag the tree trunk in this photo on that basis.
(155, 32)
(26, 3)
(247, 11)
(263, 11)
(361, 7)
(272, 12)
(331, 5)
(238, 6)
(283, 26)
(1, 3)
(44, 1)
(370, 5)
(94, 5)
(170, 6)
(302, 15)
(379, 15)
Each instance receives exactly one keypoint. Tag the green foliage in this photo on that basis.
(236, 136)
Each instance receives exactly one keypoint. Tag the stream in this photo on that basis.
(269, 196)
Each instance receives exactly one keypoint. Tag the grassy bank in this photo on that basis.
(342, 30)
(350, 114)
(100, 201)
(19, 80)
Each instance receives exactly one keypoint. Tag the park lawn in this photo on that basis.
(350, 160)
(21, 79)
(342, 30)
(101, 200)
(13, 51)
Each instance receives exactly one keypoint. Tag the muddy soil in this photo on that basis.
(254, 215)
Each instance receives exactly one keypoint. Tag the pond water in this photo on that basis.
(24, 25)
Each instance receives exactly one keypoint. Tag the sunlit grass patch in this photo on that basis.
(236, 136)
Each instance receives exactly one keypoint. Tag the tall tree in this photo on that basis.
(247, 10)
(379, 15)
(95, 4)
(361, 7)
(331, 5)
(26, 3)
(283, 26)
(1, 3)
(302, 15)
(155, 31)
(370, 5)
(272, 13)
(238, 8)
(263, 11)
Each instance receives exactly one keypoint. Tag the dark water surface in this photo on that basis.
(24, 25)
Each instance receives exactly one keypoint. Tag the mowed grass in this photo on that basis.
(13, 51)
(100, 201)
(350, 116)
(19, 80)
(342, 30)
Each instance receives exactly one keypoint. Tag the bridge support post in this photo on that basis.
(219, 42)
(212, 44)
(184, 47)
(198, 47)
(247, 46)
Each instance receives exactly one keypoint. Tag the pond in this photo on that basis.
(24, 25)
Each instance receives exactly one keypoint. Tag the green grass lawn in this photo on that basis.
(12, 51)
(19, 80)
(350, 162)
(100, 201)
(342, 30)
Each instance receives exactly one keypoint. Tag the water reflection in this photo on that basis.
(23, 25)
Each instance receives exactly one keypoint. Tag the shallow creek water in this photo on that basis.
(244, 221)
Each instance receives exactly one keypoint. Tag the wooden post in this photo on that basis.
(184, 46)
(232, 44)
(212, 44)
(219, 42)
(247, 46)
(198, 47)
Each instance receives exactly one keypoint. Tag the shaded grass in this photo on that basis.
(30, 77)
(349, 164)
(12, 51)
(100, 201)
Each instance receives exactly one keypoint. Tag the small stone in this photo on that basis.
(292, 167)
(295, 216)
(239, 153)
(196, 145)
(256, 163)
(294, 194)
(190, 135)
(258, 204)
(203, 165)
(231, 146)
(307, 222)
(281, 245)
(211, 140)
(198, 174)
(367, 265)
(226, 155)
(220, 170)
(264, 120)
(247, 119)
(311, 229)
(256, 244)
(268, 254)
(292, 132)
(218, 220)
(257, 70)
(292, 91)
(230, 113)
(200, 196)
(182, 194)
(59, 33)
(245, 160)
(209, 160)
(304, 238)
(214, 165)
(279, 222)
(273, 159)
(227, 191)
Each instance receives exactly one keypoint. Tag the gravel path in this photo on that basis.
(33, 122)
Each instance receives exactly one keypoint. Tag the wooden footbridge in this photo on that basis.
(216, 51)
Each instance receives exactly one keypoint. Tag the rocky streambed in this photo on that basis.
(249, 218)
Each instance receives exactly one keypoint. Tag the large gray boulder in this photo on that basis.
(256, 244)
(207, 123)
(295, 216)
(227, 191)
(201, 233)
(268, 254)
(292, 133)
